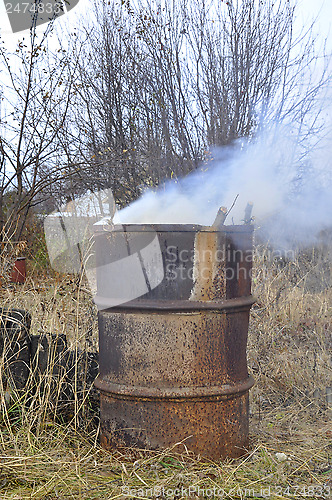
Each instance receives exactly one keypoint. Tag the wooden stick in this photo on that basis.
(220, 218)
(247, 213)
(236, 197)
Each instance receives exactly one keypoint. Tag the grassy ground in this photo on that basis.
(46, 456)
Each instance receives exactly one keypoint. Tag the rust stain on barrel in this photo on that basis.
(209, 267)
(174, 368)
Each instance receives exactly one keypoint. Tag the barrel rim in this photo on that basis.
(112, 389)
(230, 305)
(173, 228)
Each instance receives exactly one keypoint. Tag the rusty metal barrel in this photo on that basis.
(173, 365)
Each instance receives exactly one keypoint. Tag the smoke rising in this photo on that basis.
(289, 187)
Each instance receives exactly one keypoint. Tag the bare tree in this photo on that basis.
(248, 67)
(145, 92)
(162, 83)
(36, 97)
(135, 118)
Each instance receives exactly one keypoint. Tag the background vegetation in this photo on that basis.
(49, 443)
(134, 94)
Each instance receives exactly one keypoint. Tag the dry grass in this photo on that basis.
(44, 456)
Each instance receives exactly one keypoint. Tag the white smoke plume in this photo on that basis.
(289, 187)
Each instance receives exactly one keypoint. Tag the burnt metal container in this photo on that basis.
(173, 364)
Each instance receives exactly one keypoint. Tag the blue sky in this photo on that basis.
(322, 9)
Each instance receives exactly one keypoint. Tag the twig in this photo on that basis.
(236, 197)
